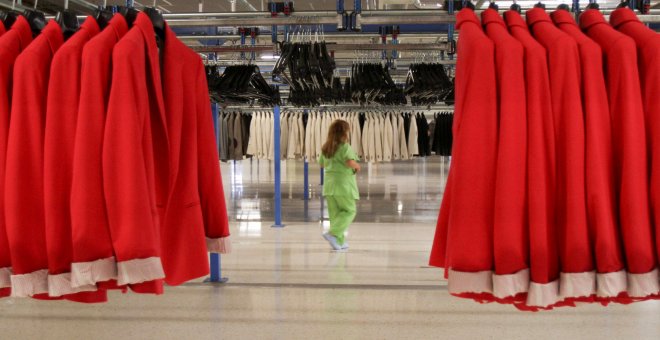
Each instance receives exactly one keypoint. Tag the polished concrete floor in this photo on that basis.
(285, 283)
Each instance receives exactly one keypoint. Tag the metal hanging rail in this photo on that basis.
(442, 46)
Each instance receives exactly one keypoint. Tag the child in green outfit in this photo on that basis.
(340, 187)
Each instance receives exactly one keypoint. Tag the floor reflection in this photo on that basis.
(404, 191)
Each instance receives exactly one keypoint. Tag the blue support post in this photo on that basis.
(277, 171)
(306, 180)
(575, 8)
(253, 41)
(242, 32)
(306, 177)
(450, 27)
(215, 260)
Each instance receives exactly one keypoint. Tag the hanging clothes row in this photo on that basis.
(110, 171)
(376, 136)
(441, 134)
(547, 201)
(234, 135)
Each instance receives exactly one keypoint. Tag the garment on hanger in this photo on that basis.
(541, 159)
(599, 161)
(24, 177)
(59, 141)
(629, 137)
(577, 277)
(94, 260)
(12, 43)
(510, 234)
(648, 50)
(464, 237)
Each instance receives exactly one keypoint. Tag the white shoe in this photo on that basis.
(345, 245)
(332, 240)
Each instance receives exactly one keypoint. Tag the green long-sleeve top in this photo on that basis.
(340, 179)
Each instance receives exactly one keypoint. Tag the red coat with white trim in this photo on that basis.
(196, 216)
(631, 168)
(135, 156)
(61, 116)
(510, 235)
(541, 162)
(575, 251)
(93, 254)
(599, 162)
(648, 50)
(463, 242)
(11, 45)
(24, 181)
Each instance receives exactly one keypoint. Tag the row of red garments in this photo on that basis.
(109, 170)
(553, 196)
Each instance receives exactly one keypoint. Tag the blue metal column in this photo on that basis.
(215, 260)
(450, 27)
(575, 8)
(306, 176)
(278, 161)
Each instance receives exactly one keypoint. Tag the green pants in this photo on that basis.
(342, 211)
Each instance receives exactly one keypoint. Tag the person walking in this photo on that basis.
(340, 187)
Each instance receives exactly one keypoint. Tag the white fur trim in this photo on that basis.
(218, 245)
(511, 284)
(470, 282)
(60, 284)
(5, 277)
(611, 284)
(642, 285)
(574, 285)
(26, 285)
(89, 273)
(543, 294)
(139, 270)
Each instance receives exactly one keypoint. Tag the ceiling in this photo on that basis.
(186, 6)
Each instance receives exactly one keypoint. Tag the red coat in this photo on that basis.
(24, 181)
(196, 217)
(648, 50)
(626, 110)
(11, 45)
(135, 160)
(463, 242)
(544, 264)
(578, 278)
(2, 28)
(599, 163)
(61, 116)
(92, 251)
(510, 234)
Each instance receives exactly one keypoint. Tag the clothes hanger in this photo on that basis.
(564, 7)
(157, 21)
(515, 7)
(623, 4)
(128, 12)
(103, 15)
(8, 19)
(36, 19)
(68, 21)
(539, 5)
(493, 5)
(593, 5)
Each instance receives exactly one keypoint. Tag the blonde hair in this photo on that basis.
(337, 134)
